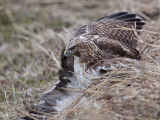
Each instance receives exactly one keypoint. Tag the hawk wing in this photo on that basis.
(115, 27)
(115, 47)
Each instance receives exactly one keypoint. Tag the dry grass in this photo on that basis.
(32, 36)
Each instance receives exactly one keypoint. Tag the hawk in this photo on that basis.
(97, 46)
(93, 50)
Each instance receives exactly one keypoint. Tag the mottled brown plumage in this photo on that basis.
(110, 26)
(115, 34)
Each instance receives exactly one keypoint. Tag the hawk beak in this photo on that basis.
(67, 53)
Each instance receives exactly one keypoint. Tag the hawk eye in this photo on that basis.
(73, 48)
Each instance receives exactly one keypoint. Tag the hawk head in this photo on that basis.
(83, 48)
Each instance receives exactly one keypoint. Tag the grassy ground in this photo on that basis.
(32, 36)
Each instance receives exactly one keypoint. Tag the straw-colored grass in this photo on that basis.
(32, 36)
